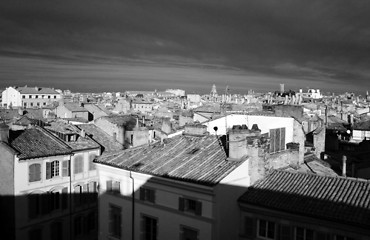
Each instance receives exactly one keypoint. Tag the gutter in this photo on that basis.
(133, 208)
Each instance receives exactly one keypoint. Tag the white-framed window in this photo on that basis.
(190, 205)
(188, 233)
(147, 194)
(34, 172)
(266, 229)
(113, 186)
(52, 169)
(149, 228)
(115, 221)
(303, 234)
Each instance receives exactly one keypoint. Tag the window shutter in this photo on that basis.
(142, 194)
(181, 204)
(65, 168)
(248, 226)
(64, 198)
(109, 185)
(37, 172)
(31, 173)
(285, 232)
(277, 140)
(48, 170)
(272, 140)
(198, 208)
(282, 138)
(152, 196)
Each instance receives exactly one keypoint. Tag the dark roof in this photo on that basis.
(331, 198)
(362, 126)
(74, 107)
(37, 142)
(127, 121)
(101, 137)
(199, 160)
(36, 90)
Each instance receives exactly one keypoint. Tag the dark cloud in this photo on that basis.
(320, 41)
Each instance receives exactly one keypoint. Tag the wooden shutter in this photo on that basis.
(48, 170)
(142, 194)
(198, 208)
(37, 172)
(31, 173)
(181, 204)
(285, 232)
(277, 140)
(109, 185)
(282, 139)
(248, 226)
(64, 198)
(65, 168)
(272, 140)
(152, 196)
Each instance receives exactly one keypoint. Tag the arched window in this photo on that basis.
(34, 172)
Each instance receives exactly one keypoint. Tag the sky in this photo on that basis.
(118, 45)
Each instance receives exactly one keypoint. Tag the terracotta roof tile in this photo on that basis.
(338, 199)
(187, 158)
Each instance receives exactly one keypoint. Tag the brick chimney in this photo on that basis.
(195, 129)
(238, 141)
(4, 132)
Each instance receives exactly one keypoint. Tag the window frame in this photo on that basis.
(187, 228)
(304, 232)
(186, 205)
(266, 234)
(115, 228)
(153, 233)
(39, 173)
(147, 194)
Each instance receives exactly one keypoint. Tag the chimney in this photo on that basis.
(83, 133)
(195, 129)
(344, 167)
(238, 142)
(4, 132)
(20, 111)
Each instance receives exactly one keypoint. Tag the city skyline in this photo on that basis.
(141, 45)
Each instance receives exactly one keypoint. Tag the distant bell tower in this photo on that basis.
(213, 91)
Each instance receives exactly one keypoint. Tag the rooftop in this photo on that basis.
(200, 159)
(37, 142)
(336, 199)
(36, 90)
(108, 143)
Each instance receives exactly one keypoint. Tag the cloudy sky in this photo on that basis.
(116, 45)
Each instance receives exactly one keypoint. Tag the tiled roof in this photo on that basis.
(122, 120)
(74, 107)
(101, 137)
(199, 160)
(37, 142)
(331, 198)
(36, 90)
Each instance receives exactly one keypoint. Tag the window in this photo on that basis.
(115, 221)
(113, 186)
(78, 226)
(38, 104)
(266, 229)
(35, 234)
(55, 198)
(56, 231)
(248, 226)
(91, 163)
(147, 194)
(77, 193)
(34, 205)
(44, 103)
(148, 228)
(190, 205)
(91, 220)
(52, 169)
(37, 96)
(42, 96)
(277, 140)
(55, 97)
(34, 172)
(65, 168)
(23, 96)
(29, 96)
(24, 104)
(187, 233)
(78, 164)
(31, 104)
(92, 191)
(49, 97)
(303, 234)
(341, 237)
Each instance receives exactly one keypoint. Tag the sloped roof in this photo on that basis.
(37, 142)
(36, 90)
(197, 159)
(74, 107)
(362, 126)
(337, 199)
(101, 137)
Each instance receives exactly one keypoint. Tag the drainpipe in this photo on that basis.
(133, 208)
